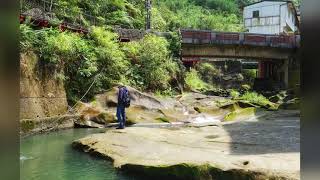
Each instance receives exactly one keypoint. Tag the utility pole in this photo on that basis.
(148, 15)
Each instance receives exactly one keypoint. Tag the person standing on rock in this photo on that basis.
(123, 103)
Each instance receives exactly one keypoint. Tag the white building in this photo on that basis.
(271, 17)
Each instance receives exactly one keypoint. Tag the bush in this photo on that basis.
(27, 38)
(166, 93)
(110, 58)
(98, 57)
(155, 64)
(208, 72)
(258, 99)
(193, 81)
(174, 40)
(132, 50)
(234, 93)
(249, 74)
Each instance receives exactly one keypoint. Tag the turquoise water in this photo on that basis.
(51, 157)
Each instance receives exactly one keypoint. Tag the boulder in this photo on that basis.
(105, 117)
(239, 77)
(227, 78)
(293, 104)
(218, 92)
(109, 99)
(87, 124)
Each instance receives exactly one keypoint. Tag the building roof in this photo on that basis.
(286, 1)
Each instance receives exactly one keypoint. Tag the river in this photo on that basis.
(50, 157)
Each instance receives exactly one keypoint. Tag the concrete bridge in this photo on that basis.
(197, 44)
(276, 53)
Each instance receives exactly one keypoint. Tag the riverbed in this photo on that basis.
(50, 156)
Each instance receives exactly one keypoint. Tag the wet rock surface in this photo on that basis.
(41, 125)
(265, 148)
(145, 108)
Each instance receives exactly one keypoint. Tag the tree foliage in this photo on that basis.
(167, 15)
(99, 58)
(195, 14)
(149, 64)
(194, 82)
(208, 72)
(153, 68)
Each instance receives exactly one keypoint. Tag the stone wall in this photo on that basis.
(41, 94)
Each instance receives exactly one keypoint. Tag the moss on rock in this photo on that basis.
(240, 114)
(27, 125)
(190, 171)
(181, 171)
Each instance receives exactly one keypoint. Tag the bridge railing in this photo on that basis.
(49, 10)
(236, 38)
(45, 13)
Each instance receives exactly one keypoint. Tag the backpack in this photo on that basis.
(125, 97)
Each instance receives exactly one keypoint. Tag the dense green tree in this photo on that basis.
(154, 62)
(149, 64)
(229, 6)
(187, 14)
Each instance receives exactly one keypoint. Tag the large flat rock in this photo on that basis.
(255, 149)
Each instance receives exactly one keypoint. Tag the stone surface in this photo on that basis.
(109, 99)
(187, 108)
(145, 108)
(39, 125)
(265, 148)
(43, 102)
(41, 95)
(292, 104)
(87, 124)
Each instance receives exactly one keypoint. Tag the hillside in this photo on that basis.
(151, 64)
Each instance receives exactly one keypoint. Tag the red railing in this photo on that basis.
(212, 37)
(227, 37)
(254, 38)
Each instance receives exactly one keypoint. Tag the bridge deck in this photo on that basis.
(201, 44)
(238, 38)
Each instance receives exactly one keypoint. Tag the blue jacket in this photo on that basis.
(120, 95)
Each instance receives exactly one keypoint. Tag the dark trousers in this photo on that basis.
(121, 115)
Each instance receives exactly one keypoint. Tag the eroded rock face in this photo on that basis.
(146, 108)
(34, 126)
(187, 108)
(234, 151)
(43, 101)
(41, 95)
(109, 99)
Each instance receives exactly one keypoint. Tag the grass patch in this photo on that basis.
(163, 119)
(258, 99)
(241, 113)
(27, 125)
(194, 82)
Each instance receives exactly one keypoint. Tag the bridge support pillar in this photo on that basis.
(261, 69)
(286, 73)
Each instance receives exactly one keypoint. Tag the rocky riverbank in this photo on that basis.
(148, 110)
(145, 108)
(41, 125)
(265, 148)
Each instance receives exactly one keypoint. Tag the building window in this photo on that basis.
(255, 14)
